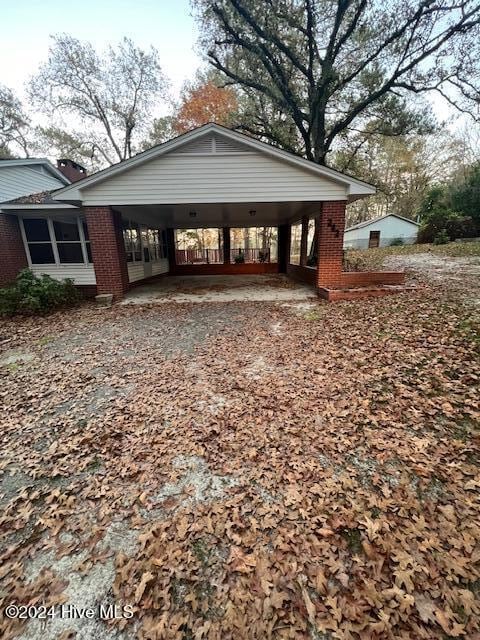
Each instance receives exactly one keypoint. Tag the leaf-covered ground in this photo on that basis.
(365, 259)
(246, 470)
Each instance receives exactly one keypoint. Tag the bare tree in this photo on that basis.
(102, 101)
(328, 67)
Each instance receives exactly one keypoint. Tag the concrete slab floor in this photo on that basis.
(252, 288)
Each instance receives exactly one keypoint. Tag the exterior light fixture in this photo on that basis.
(252, 212)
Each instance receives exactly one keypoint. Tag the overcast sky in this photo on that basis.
(27, 24)
(166, 24)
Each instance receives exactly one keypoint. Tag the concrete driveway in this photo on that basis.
(252, 288)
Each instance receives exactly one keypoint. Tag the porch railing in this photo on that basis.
(250, 255)
(215, 256)
(199, 256)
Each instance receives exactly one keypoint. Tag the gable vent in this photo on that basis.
(212, 144)
(223, 145)
(203, 145)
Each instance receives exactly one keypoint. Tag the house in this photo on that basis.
(381, 232)
(119, 226)
(29, 175)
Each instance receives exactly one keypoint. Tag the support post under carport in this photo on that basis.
(226, 245)
(283, 240)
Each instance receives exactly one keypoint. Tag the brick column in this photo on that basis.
(12, 252)
(330, 243)
(108, 250)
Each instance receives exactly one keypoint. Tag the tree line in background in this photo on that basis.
(341, 83)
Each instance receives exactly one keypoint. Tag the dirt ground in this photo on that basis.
(287, 469)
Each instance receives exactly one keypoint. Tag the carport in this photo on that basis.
(134, 221)
(221, 288)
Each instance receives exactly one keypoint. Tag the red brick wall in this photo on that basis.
(108, 251)
(304, 274)
(244, 268)
(359, 278)
(12, 252)
(330, 243)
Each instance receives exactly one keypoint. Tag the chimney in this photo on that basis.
(71, 170)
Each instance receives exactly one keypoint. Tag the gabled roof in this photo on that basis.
(355, 186)
(28, 162)
(375, 220)
(42, 200)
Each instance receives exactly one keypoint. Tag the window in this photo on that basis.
(86, 240)
(199, 246)
(57, 240)
(69, 246)
(253, 244)
(156, 239)
(311, 244)
(38, 239)
(132, 238)
(295, 240)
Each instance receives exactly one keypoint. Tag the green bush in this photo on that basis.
(31, 294)
(442, 237)
(397, 242)
(239, 258)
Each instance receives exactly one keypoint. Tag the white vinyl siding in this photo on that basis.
(138, 270)
(391, 227)
(160, 267)
(80, 274)
(22, 181)
(232, 177)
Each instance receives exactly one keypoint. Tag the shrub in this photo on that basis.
(442, 237)
(239, 258)
(397, 242)
(31, 294)
(354, 260)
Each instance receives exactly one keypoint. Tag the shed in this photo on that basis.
(381, 232)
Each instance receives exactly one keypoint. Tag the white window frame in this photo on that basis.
(53, 241)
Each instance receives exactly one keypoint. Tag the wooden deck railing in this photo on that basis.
(250, 255)
(199, 256)
(215, 256)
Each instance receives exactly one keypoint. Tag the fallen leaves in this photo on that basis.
(334, 488)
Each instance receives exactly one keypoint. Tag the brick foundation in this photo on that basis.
(12, 253)
(302, 274)
(245, 268)
(108, 250)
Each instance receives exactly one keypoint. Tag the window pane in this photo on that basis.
(66, 230)
(36, 230)
(89, 251)
(85, 231)
(295, 238)
(311, 244)
(41, 253)
(70, 252)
